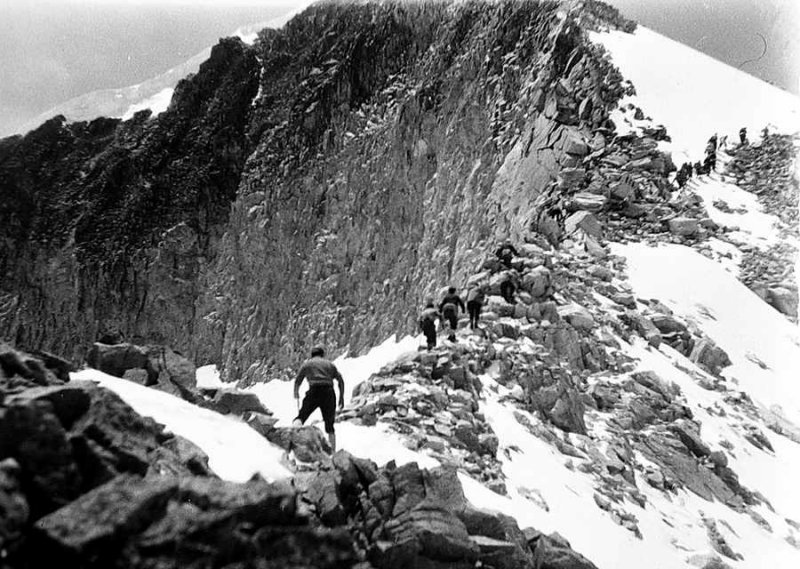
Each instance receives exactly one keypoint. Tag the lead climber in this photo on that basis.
(506, 252)
(320, 373)
(427, 323)
(449, 307)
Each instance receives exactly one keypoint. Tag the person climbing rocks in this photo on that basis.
(743, 136)
(698, 168)
(712, 143)
(506, 253)
(319, 373)
(507, 290)
(427, 323)
(710, 162)
(723, 142)
(681, 177)
(475, 299)
(449, 307)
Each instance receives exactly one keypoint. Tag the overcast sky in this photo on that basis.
(54, 50)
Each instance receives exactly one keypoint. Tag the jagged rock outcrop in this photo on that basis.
(106, 226)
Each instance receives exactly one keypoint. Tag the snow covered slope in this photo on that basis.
(694, 95)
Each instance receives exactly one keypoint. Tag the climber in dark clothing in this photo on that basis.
(320, 374)
(681, 177)
(427, 323)
(506, 252)
(475, 298)
(507, 290)
(743, 136)
(449, 309)
(710, 162)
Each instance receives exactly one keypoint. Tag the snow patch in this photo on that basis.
(157, 104)
(235, 451)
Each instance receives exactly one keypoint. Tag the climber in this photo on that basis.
(681, 177)
(427, 323)
(320, 373)
(712, 143)
(699, 168)
(506, 252)
(475, 298)
(710, 162)
(449, 307)
(507, 290)
(743, 136)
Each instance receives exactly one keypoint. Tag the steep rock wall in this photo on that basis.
(107, 225)
(416, 137)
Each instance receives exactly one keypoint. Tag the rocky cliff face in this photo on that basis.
(313, 188)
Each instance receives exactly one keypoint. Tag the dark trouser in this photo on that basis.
(322, 398)
(452, 319)
(507, 291)
(429, 329)
(474, 309)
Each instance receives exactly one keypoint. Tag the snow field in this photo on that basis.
(694, 95)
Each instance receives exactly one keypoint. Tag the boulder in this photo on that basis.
(536, 282)
(689, 435)
(162, 364)
(667, 324)
(68, 402)
(555, 552)
(238, 402)
(571, 177)
(118, 358)
(137, 375)
(170, 364)
(643, 326)
(499, 306)
(25, 368)
(783, 300)
(709, 356)
(577, 316)
(307, 443)
(588, 201)
(621, 191)
(683, 226)
(583, 220)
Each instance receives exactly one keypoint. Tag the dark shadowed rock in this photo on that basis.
(69, 402)
(709, 356)
(26, 369)
(89, 529)
(238, 402)
(555, 552)
(116, 359)
(14, 509)
(308, 444)
(32, 434)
